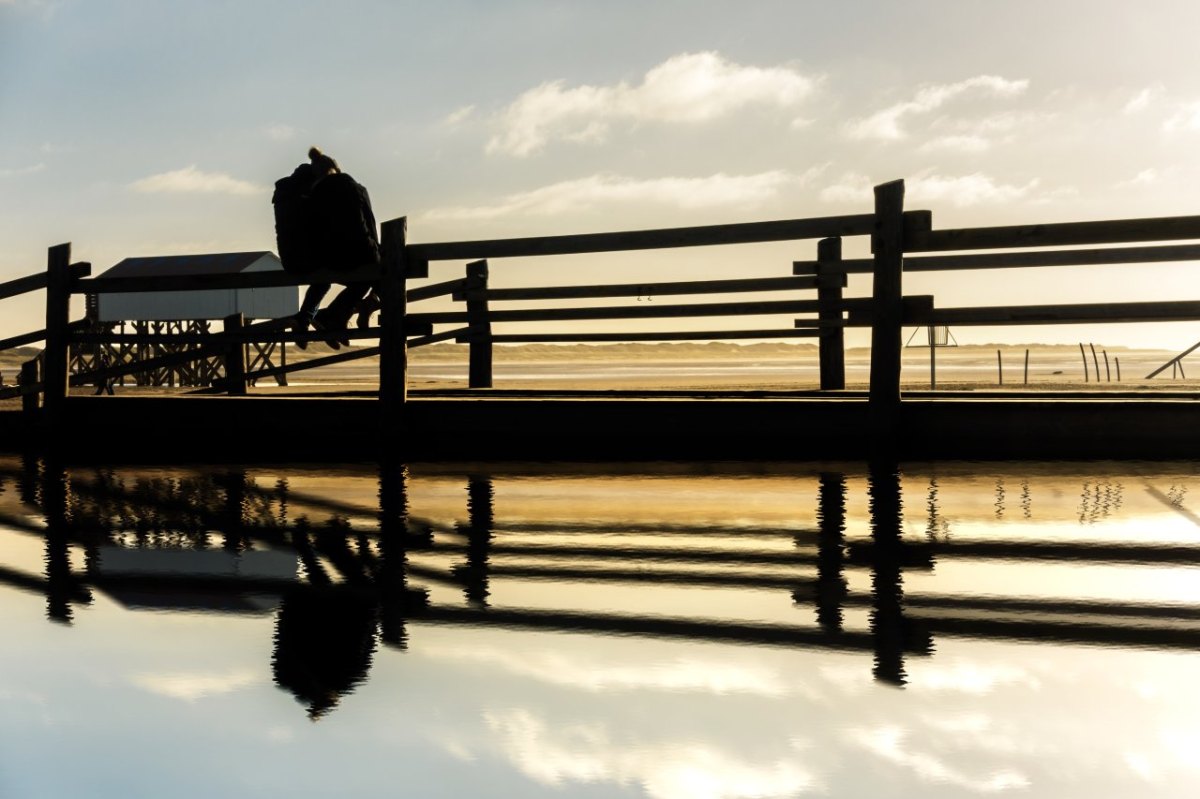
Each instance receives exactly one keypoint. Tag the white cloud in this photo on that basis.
(24, 170)
(888, 744)
(190, 686)
(886, 124)
(690, 674)
(1142, 100)
(458, 116)
(962, 144)
(1185, 118)
(1147, 177)
(585, 754)
(191, 180)
(280, 132)
(687, 88)
(714, 191)
(961, 191)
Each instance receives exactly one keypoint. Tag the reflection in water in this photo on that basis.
(348, 573)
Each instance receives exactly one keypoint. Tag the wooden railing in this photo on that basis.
(895, 234)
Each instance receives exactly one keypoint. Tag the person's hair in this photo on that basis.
(321, 162)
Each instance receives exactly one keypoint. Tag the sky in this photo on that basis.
(131, 127)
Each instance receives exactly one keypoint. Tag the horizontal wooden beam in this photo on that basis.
(644, 311)
(654, 289)
(689, 335)
(1114, 231)
(24, 285)
(1019, 260)
(352, 354)
(247, 336)
(434, 338)
(37, 335)
(1170, 311)
(704, 236)
(435, 290)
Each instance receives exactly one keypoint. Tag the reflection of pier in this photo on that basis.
(338, 575)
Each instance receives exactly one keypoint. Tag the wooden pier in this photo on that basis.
(483, 422)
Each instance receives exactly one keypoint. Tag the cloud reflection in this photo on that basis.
(586, 753)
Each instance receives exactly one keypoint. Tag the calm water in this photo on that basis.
(600, 631)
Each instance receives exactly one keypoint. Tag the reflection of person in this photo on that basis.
(346, 235)
(324, 642)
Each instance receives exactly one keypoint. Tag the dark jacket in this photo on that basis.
(294, 231)
(344, 223)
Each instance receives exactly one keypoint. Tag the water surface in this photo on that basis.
(708, 630)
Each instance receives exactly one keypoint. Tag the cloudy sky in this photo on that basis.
(131, 127)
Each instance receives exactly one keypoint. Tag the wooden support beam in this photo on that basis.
(367, 273)
(887, 311)
(1022, 260)
(705, 236)
(647, 311)
(24, 285)
(685, 335)
(655, 289)
(235, 358)
(435, 290)
(30, 385)
(393, 319)
(1114, 231)
(479, 372)
(56, 355)
(832, 347)
(1083, 313)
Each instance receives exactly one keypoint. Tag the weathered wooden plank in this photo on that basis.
(235, 358)
(434, 338)
(703, 236)
(353, 354)
(1168, 311)
(887, 308)
(832, 347)
(683, 335)
(393, 319)
(436, 290)
(644, 311)
(1113, 231)
(655, 289)
(56, 354)
(24, 285)
(1023, 260)
(479, 333)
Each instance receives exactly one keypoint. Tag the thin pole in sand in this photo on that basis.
(1118, 362)
(1083, 355)
(1107, 374)
(1095, 361)
(999, 368)
(1026, 366)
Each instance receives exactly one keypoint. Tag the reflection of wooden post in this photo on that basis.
(392, 576)
(831, 279)
(56, 357)
(831, 520)
(887, 312)
(393, 341)
(235, 358)
(58, 554)
(480, 336)
(479, 541)
(888, 626)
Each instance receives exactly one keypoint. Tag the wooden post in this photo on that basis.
(1107, 373)
(1118, 362)
(1026, 366)
(831, 279)
(932, 358)
(393, 340)
(887, 243)
(480, 371)
(1083, 355)
(1095, 361)
(56, 358)
(999, 368)
(235, 358)
(28, 381)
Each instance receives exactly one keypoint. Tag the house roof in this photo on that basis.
(210, 264)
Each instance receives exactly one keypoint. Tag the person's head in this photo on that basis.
(322, 164)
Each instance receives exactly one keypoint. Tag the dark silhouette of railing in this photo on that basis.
(899, 241)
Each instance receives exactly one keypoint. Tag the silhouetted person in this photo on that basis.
(324, 641)
(347, 237)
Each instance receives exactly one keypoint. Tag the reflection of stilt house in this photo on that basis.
(191, 312)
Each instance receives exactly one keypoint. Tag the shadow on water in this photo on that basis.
(338, 576)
